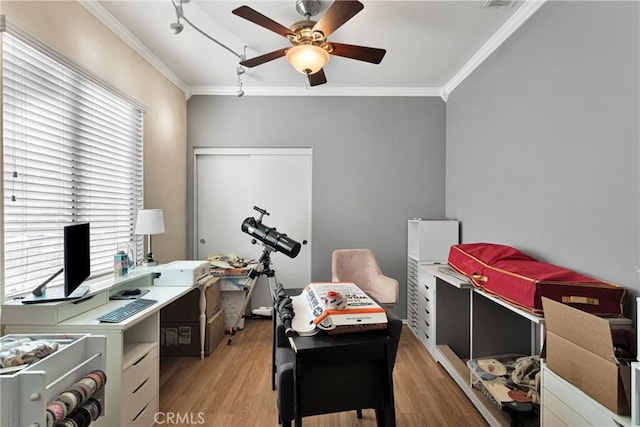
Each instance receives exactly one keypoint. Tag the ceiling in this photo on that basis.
(431, 45)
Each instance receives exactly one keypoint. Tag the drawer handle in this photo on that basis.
(140, 386)
(141, 359)
(140, 413)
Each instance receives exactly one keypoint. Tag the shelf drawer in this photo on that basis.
(139, 371)
(570, 405)
(145, 417)
(555, 412)
(144, 398)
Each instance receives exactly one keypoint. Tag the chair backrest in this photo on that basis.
(360, 267)
(354, 265)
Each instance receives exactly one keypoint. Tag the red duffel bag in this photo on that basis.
(521, 280)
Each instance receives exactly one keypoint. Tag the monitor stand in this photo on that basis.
(56, 295)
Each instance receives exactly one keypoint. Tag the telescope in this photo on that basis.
(273, 239)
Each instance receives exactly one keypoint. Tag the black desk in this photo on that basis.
(335, 373)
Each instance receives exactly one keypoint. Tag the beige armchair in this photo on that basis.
(360, 267)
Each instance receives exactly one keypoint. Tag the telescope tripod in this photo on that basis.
(262, 269)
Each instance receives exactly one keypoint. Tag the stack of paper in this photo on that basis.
(361, 313)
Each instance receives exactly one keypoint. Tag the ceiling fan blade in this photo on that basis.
(338, 13)
(259, 60)
(318, 78)
(257, 18)
(361, 53)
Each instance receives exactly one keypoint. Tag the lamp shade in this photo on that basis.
(150, 221)
(307, 58)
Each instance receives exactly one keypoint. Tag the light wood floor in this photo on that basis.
(232, 387)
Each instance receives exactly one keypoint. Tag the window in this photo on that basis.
(72, 153)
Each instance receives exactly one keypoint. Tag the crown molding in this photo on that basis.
(119, 30)
(509, 27)
(316, 91)
(513, 23)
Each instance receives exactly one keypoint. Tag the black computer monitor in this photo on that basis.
(77, 259)
(76, 265)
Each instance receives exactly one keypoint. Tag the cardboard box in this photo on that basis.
(187, 308)
(183, 338)
(579, 348)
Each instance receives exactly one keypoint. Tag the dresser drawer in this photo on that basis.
(139, 371)
(140, 400)
(145, 417)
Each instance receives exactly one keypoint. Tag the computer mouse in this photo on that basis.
(131, 292)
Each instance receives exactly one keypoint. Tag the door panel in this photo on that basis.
(230, 183)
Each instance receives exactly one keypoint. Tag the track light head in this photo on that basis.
(177, 27)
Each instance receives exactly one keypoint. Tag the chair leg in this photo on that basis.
(359, 413)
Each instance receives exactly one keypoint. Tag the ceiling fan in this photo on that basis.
(311, 49)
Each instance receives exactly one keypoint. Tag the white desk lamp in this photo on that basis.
(150, 221)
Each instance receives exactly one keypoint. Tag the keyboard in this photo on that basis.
(126, 311)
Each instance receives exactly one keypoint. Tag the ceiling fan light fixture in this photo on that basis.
(307, 58)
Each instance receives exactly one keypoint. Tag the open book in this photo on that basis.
(361, 312)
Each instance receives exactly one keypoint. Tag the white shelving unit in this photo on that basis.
(467, 324)
(24, 395)
(428, 242)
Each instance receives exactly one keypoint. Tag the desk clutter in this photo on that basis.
(336, 308)
(510, 381)
(230, 265)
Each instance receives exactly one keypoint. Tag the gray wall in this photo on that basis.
(542, 141)
(377, 162)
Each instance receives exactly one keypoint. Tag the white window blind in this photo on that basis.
(72, 153)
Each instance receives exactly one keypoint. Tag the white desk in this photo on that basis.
(131, 391)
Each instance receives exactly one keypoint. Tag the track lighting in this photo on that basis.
(239, 73)
(177, 27)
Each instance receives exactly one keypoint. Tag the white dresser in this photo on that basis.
(428, 242)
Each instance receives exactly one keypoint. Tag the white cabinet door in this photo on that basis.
(230, 182)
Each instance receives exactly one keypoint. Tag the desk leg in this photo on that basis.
(203, 318)
(297, 390)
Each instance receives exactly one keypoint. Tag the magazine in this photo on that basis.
(317, 308)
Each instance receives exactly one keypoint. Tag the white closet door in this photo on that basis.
(230, 182)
